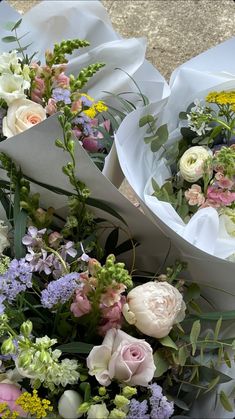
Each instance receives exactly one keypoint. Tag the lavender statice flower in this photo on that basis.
(161, 408)
(60, 291)
(86, 102)
(138, 410)
(61, 95)
(85, 122)
(16, 279)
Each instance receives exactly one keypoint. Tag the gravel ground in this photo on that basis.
(176, 30)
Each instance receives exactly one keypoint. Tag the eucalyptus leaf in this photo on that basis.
(9, 39)
(147, 119)
(167, 341)
(224, 400)
(194, 334)
(160, 363)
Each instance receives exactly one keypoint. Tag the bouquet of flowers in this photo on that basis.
(83, 337)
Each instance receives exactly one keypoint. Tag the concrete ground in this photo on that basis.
(176, 30)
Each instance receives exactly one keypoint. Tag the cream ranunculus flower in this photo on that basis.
(10, 63)
(4, 242)
(22, 114)
(154, 308)
(12, 87)
(122, 357)
(192, 163)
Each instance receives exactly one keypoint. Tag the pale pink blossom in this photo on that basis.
(111, 317)
(51, 107)
(112, 294)
(220, 196)
(9, 393)
(123, 358)
(38, 90)
(62, 80)
(81, 305)
(194, 195)
(76, 106)
(223, 181)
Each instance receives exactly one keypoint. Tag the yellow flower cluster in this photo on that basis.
(6, 413)
(31, 403)
(221, 98)
(95, 107)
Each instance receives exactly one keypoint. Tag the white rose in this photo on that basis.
(12, 87)
(22, 114)
(192, 163)
(154, 308)
(4, 242)
(68, 405)
(98, 411)
(9, 63)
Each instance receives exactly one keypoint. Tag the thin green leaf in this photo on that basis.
(9, 39)
(20, 223)
(86, 388)
(194, 334)
(167, 341)
(16, 25)
(214, 316)
(160, 363)
(227, 359)
(217, 328)
(76, 348)
(225, 401)
(182, 355)
(145, 100)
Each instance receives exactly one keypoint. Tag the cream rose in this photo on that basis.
(12, 87)
(22, 114)
(154, 308)
(192, 163)
(122, 357)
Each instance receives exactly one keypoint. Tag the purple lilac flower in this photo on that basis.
(161, 408)
(33, 238)
(16, 279)
(61, 95)
(60, 291)
(138, 410)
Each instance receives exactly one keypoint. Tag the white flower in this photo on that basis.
(12, 87)
(4, 242)
(9, 63)
(157, 306)
(192, 163)
(98, 411)
(22, 114)
(68, 405)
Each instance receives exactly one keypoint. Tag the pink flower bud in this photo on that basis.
(91, 144)
(81, 304)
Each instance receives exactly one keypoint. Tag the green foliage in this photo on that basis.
(58, 55)
(158, 137)
(77, 83)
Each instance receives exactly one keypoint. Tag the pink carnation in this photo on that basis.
(194, 195)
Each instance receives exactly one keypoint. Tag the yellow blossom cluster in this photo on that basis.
(33, 404)
(221, 98)
(6, 413)
(95, 107)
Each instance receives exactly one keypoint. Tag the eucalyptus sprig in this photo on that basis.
(12, 27)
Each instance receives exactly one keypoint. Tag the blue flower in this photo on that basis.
(60, 291)
(61, 95)
(16, 279)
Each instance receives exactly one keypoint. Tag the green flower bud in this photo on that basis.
(26, 328)
(44, 356)
(129, 391)
(84, 407)
(8, 347)
(102, 391)
(117, 414)
(121, 401)
(24, 360)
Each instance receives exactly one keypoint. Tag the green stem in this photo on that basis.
(20, 47)
(49, 249)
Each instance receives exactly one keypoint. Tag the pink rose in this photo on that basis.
(194, 195)
(122, 357)
(9, 393)
(81, 305)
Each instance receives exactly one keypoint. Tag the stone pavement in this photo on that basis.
(176, 30)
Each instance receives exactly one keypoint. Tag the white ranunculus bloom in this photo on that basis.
(4, 242)
(9, 63)
(12, 87)
(22, 114)
(192, 163)
(156, 307)
(68, 405)
(98, 411)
